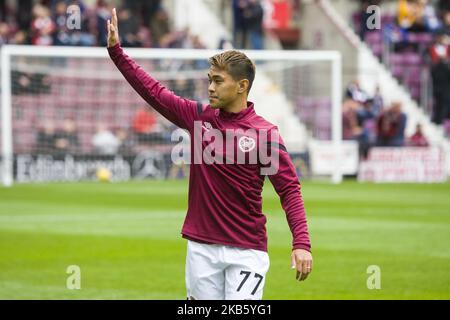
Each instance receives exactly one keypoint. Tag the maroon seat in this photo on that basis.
(387, 18)
(374, 37)
(421, 38)
(414, 73)
(377, 49)
(396, 59)
(397, 71)
(411, 58)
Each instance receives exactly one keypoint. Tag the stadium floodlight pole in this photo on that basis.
(6, 130)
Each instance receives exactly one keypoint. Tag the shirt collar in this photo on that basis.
(238, 115)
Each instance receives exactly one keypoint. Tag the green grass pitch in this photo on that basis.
(125, 237)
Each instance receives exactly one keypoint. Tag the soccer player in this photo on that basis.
(224, 226)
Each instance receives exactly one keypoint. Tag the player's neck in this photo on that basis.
(236, 106)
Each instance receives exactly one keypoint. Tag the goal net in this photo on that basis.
(67, 114)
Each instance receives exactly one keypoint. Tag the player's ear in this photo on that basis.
(243, 85)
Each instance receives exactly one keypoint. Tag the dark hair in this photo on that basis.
(237, 64)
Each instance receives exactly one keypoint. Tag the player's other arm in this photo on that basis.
(182, 112)
(285, 181)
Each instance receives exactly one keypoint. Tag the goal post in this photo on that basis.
(6, 118)
(80, 82)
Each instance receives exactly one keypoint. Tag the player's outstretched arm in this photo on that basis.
(182, 112)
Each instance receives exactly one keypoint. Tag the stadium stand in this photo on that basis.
(406, 48)
(407, 56)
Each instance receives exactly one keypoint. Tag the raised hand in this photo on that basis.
(113, 30)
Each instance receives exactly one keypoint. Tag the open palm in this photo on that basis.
(113, 30)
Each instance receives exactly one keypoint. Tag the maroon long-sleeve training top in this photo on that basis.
(225, 202)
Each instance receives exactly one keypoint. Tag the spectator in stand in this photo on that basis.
(103, 14)
(430, 19)
(86, 35)
(183, 87)
(45, 141)
(146, 23)
(4, 33)
(195, 42)
(253, 15)
(418, 139)
(440, 49)
(160, 28)
(367, 123)
(105, 142)
(440, 75)
(359, 117)
(146, 127)
(446, 23)
(129, 29)
(19, 38)
(61, 36)
(444, 5)
(355, 92)
(24, 14)
(143, 10)
(445, 8)
(3, 10)
(391, 127)
(149, 9)
(22, 83)
(417, 16)
(225, 44)
(350, 128)
(42, 26)
(377, 102)
(66, 139)
(29, 83)
(127, 143)
(406, 13)
(239, 27)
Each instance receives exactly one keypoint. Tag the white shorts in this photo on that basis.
(217, 272)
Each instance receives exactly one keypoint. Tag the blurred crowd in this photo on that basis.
(146, 129)
(411, 16)
(415, 22)
(414, 16)
(367, 120)
(143, 23)
(248, 23)
(252, 18)
(439, 60)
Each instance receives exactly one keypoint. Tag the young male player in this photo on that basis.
(224, 226)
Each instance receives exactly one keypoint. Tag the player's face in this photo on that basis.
(223, 89)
